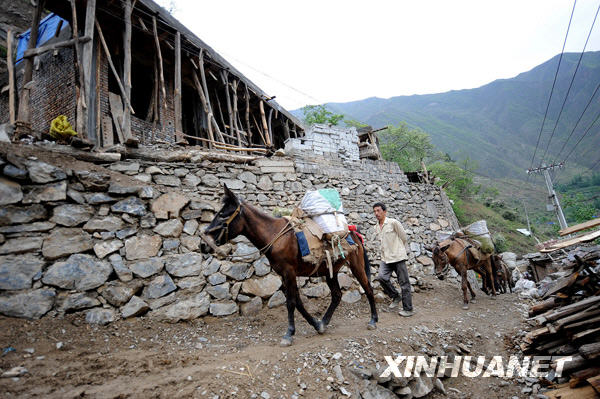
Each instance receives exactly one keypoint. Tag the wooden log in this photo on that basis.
(586, 333)
(24, 112)
(561, 284)
(582, 323)
(595, 383)
(542, 306)
(54, 46)
(207, 112)
(576, 240)
(100, 157)
(584, 314)
(576, 363)
(116, 110)
(265, 126)
(579, 377)
(10, 63)
(87, 51)
(567, 310)
(590, 351)
(160, 63)
(127, 11)
(113, 69)
(220, 113)
(259, 131)
(270, 134)
(581, 226)
(177, 88)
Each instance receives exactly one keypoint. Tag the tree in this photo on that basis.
(457, 179)
(405, 146)
(319, 114)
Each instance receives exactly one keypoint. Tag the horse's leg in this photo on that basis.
(465, 284)
(290, 289)
(364, 282)
(295, 294)
(336, 296)
(470, 289)
(490, 273)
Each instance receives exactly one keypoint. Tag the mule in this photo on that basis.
(275, 238)
(455, 252)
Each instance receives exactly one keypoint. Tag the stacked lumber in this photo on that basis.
(567, 323)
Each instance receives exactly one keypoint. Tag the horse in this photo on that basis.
(456, 252)
(275, 238)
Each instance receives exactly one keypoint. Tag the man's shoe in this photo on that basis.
(406, 313)
(395, 302)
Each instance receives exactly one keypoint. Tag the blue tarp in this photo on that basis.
(46, 31)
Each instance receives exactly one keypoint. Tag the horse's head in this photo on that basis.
(440, 260)
(227, 222)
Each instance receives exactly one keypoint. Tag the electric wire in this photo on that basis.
(571, 83)
(582, 137)
(553, 84)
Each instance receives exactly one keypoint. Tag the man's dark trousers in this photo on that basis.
(384, 275)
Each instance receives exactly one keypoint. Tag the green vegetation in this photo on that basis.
(580, 198)
(319, 114)
(405, 146)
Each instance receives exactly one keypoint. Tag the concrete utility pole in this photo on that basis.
(551, 193)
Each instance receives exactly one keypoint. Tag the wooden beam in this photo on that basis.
(81, 103)
(10, 63)
(127, 11)
(234, 86)
(248, 113)
(210, 116)
(581, 226)
(566, 243)
(177, 88)
(113, 69)
(160, 64)
(87, 51)
(67, 43)
(24, 113)
(265, 126)
(225, 80)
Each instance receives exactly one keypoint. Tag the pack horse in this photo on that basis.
(275, 238)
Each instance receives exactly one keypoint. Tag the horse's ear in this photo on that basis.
(229, 195)
(445, 247)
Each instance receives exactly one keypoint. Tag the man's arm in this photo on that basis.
(400, 231)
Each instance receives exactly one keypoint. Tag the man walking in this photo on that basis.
(394, 248)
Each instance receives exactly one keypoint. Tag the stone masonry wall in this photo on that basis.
(121, 240)
(325, 140)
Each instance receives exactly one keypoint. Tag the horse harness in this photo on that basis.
(466, 247)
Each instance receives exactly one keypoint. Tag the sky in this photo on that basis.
(314, 52)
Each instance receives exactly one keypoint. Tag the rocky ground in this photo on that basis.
(239, 356)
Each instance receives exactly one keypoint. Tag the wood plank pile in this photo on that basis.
(567, 323)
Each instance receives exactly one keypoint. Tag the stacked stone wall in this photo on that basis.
(122, 240)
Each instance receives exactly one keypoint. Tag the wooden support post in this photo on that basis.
(220, 111)
(270, 133)
(177, 94)
(81, 104)
(205, 105)
(30, 53)
(210, 116)
(286, 130)
(234, 86)
(248, 113)
(160, 63)
(128, 10)
(86, 64)
(225, 79)
(10, 63)
(24, 114)
(113, 69)
(265, 126)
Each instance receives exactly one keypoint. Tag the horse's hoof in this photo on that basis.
(320, 327)
(371, 326)
(465, 307)
(493, 297)
(473, 300)
(285, 341)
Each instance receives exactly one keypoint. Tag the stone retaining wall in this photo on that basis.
(121, 240)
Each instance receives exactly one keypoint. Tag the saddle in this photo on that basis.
(316, 246)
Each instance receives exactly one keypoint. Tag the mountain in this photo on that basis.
(498, 124)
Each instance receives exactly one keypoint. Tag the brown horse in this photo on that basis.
(276, 240)
(455, 252)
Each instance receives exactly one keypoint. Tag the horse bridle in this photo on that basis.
(447, 265)
(224, 227)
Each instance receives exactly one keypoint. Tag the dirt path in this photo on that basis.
(239, 357)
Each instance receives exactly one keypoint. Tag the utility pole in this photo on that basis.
(551, 193)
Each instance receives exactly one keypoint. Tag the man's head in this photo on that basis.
(380, 211)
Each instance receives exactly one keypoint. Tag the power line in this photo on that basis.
(571, 84)
(553, 84)
(581, 138)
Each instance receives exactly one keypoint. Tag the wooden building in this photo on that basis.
(131, 73)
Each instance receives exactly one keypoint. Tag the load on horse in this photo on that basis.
(278, 239)
(471, 249)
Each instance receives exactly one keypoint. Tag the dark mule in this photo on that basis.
(276, 239)
(455, 252)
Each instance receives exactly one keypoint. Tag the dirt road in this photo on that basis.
(239, 357)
